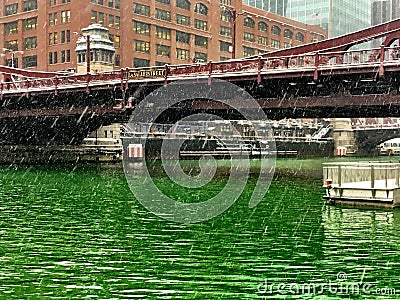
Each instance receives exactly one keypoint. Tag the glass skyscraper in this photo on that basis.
(385, 10)
(275, 6)
(336, 16)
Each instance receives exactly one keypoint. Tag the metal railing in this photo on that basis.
(314, 62)
(362, 175)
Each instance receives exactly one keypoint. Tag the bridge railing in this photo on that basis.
(257, 65)
(56, 82)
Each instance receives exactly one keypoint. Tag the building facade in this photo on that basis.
(336, 17)
(384, 11)
(43, 34)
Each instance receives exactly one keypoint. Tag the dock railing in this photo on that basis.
(362, 175)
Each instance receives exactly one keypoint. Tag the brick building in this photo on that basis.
(42, 34)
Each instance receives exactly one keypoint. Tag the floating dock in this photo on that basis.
(362, 184)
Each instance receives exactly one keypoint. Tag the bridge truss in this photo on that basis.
(322, 79)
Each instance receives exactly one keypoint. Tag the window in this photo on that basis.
(262, 26)
(164, 1)
(199, 24)
(11, 28)
(141, 28)
(30, 43)
(65, 36)
(117, 41)
(11, 9)
(100, 2)
(225, 31)
(110, 21)
(117, 22)
(288, 34)
(225, 16)
(65, 16)
(262, 40)
(53, 19)
(163, 50)
(163, 33)
(141, 63)
(223, 58)
(247, 36)
(161, 63)
(141, 9)
(182, 54)
(163, 15)
(299, 37)
(65, 56)
(54, 2)
(29, 61)
(184, 4)
(275, 44)
(201, 41)
(141, 46)
(200, 57)
(248, 22)
(29, 24)
(182, 37)
(11, 45)
(287, 45)
(29, 5)
(12, 63)
(117, 61)
(53, 58)
(260, 51)
(182, 20)
(93, 18)
(247, 51)
(200, 8)
(225, 46)
(65, 1)
(275, 30)
(111, 3)
(53, 38)
(100, 18)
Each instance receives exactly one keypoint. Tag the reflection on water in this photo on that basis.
(75, 233)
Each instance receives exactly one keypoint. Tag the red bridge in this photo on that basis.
(323, 79)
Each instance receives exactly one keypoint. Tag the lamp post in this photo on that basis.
(234, 16)
(88, 54)
(12, 55)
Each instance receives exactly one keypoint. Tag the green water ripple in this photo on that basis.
(79, 233)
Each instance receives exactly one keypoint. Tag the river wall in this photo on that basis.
(22, 154)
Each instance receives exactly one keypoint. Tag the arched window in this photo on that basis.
(287, 33)
(262, 26)
(200, 8)
(299, 37)
(226, 16)
(275, 30)
(248, 22)
(184, 4)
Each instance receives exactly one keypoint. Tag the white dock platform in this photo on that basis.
(362, 184)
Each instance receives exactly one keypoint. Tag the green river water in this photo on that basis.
(77, 232)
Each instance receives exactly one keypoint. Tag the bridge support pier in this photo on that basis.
(343, 135)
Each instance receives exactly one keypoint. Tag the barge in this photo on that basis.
(362, 184)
